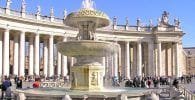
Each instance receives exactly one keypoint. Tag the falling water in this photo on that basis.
(88, 4)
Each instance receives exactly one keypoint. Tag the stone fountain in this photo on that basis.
(87, 73)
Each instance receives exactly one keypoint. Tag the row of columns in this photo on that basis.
(34, 61)
(154, 60)
(34, 55)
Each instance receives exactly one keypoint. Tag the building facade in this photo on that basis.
(28, 41)
(190, 60)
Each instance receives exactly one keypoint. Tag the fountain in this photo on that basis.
(86, 74)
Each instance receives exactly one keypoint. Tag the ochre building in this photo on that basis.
(190, 60)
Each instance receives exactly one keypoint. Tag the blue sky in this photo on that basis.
(144, 9)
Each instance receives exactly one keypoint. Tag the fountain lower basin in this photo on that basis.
(87, 48)
(116, 93)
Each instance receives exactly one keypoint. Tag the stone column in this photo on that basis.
(134, 65)
(51, 66)
(159, 58)
(172, 59)
(151, 68)
(45, 58)
(104, 64)
(64, 62)
(31, 55)
(64, 66)
(71, 61)
(104, 61)
(36, 58)
(112, 65)
(1, 54)
(107, 75)
(22, 54)
(169, 59)
(6, 65)
(177, 59)
(16, 47)
(59, 61)
(127, 60)
(163, 61)
(139, 59)
(116, 65)
(119, 61)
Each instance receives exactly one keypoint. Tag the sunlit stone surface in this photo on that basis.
(87, 73)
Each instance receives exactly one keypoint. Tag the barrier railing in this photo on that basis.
(2, 10)
(52, 84)
(187, 93)
(29, 16)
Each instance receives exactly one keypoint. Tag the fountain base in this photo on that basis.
(87, 77)
(117, 93)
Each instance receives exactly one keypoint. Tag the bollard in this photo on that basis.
(66, 97)
(21, 96)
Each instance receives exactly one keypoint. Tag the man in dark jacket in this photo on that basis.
(6, 84)
(19, 83)
(176, 83)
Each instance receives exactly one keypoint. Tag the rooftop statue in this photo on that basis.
(114, 20)
(150, 22)
(8, 4)
(38, 10)
(138, 22)
(51, 12)
(177, 22)
(165, 18)
(88, 4)
(159, 21)
(23, 6)
(127, 21)
(65, 13)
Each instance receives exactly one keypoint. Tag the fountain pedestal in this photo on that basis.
(87, 77)
(87, 73)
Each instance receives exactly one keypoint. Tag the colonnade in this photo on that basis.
(135, 58)
(33, 51)
(138, 58)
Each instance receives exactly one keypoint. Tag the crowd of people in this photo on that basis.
(136, 82)
(7, 82)
(147, 82)
(186, 78)
(154, 82)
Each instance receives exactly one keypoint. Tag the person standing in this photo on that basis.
(149, 83)
(19, 83)
(5, 85)
(176, 83)
(36, 84)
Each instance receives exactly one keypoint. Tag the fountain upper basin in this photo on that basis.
(87, 48)
(87, 15)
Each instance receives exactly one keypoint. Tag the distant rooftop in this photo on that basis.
(190, 51)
